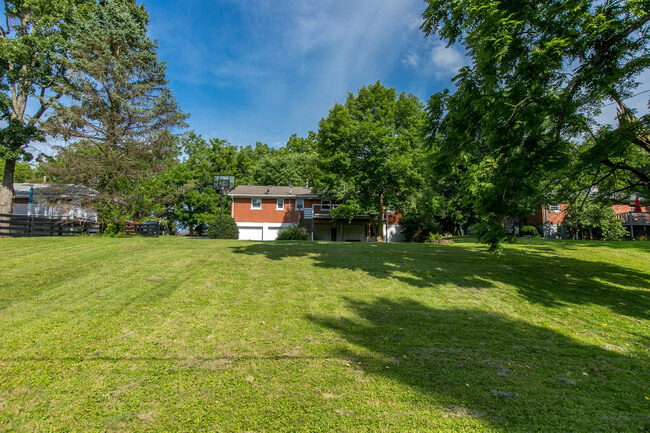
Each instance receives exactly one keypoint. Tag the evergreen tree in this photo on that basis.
(122, 115)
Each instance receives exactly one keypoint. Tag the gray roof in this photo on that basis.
(51, 190)
(271, 191)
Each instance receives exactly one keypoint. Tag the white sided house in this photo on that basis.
(261, 211)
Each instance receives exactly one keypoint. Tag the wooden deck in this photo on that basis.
(634, 218)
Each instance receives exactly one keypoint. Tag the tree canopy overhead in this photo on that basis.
(524, 116)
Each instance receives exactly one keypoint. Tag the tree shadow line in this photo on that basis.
(535, 272)
(507, 373)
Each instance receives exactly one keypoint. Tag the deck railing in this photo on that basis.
(322, 210)
(634, 218)
(55, 211)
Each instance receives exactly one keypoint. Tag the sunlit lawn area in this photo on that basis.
(176, 334)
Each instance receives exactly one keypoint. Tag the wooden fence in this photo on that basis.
(29, 226)
(144, 229)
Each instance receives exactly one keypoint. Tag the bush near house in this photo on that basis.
(595, 220)
(418, 226)
(529, 232)
(229, 229)
(293, 233)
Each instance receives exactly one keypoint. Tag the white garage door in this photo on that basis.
(272, 233)
(250, 233)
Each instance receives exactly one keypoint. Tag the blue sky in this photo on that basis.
(260, 70)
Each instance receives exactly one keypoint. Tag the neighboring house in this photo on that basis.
(54, 201)
(549, 220)
(261, 211)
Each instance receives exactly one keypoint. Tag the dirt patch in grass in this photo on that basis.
(461, 412)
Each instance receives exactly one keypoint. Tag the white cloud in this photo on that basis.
(411, 59)
(279, 65)
(436, 59)
(447, 61)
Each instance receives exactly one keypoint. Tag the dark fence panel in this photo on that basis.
(144, 229)
(27, 226)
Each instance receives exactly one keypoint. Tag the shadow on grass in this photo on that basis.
(536, 271)
(511, 374)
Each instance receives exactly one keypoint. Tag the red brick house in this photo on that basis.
(549, 219)
(261, 211)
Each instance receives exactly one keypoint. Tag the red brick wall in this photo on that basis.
(551, 217)
(242, 211)
(557, 218)
(625, 208)
(394, 218)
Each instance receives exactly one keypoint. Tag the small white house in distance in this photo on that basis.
(261, 211)
(54, 201)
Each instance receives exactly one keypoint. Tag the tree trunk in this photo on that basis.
(7, 188)
(379, 225)
(378, 229)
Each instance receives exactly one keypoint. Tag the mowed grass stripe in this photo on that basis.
(175, 334)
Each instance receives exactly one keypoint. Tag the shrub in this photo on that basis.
(229, 228)
(293, 233)
(595, 220)
(417, 227)
(529, 232)
(437, 238)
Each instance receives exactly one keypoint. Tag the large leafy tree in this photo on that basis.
(121, 115)
(295, 163)
(197, 201)
(297, 144)
(594, 218)
(369, 148)
(285, 168)
(32, 43)
(524, 114)
(248, 157)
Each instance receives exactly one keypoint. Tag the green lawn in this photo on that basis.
(175, 334)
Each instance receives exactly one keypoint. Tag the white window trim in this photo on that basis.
(555, 208)
(300, 204)
(277, 204)
(256, 208)
(324, 206)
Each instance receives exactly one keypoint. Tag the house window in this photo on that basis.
(555, 208)
(256, 203)
(279, 204)
(300, 204)
(325, 205)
